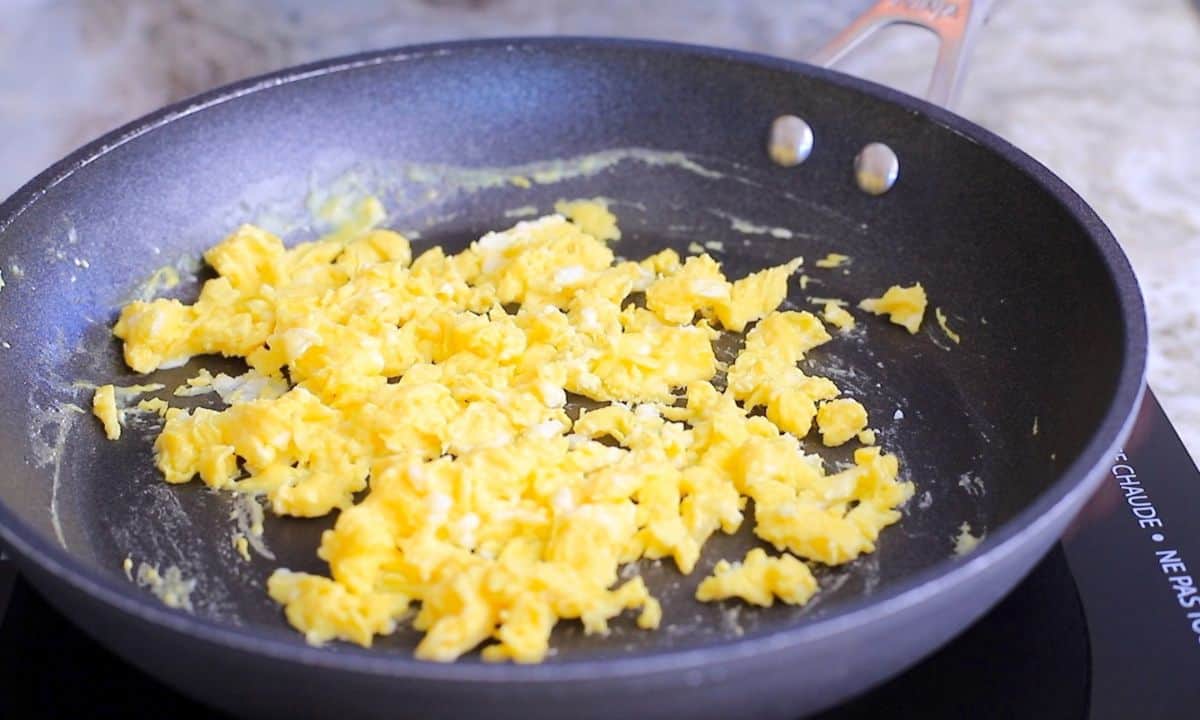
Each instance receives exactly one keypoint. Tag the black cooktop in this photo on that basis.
(1107, 626)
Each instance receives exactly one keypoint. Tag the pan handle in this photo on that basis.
(953, 21)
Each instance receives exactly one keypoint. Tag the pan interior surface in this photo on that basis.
(675, 141)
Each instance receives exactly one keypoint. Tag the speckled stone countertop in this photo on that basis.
(1106, 93)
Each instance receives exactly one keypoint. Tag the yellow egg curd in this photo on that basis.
(837, 316)
(441, 386)
(905, 306)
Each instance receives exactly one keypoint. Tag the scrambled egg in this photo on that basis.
(904, 305)
(837, 316)
(592, 216)
(441, 383)
(840, 420)
(110, 403)
(242, 545)
(832, 260)
(759, 580)
(104, 406)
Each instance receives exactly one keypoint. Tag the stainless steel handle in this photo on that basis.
(953, 21)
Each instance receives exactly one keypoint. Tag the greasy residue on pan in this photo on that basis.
(55, 419)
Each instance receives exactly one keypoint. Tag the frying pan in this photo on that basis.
(1007, 431)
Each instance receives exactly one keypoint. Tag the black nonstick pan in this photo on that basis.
(1007, 431)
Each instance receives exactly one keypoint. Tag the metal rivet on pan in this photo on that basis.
(876, 168)
(790, 142)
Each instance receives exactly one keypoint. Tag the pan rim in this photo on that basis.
(1074, 484)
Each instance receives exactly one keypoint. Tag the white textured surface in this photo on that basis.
(1106, 93)
(1109, 98)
